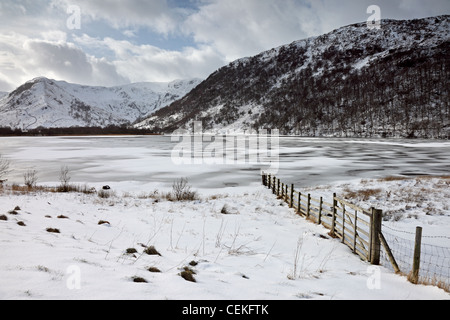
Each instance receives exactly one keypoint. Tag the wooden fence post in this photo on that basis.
(333, 220)
(414, 277)
(319, 219)
(355, 231)
(274, 184)
(389, 253)
(299, 203)
(291, 200)
(375, 230)
(343, 223)
(308, 207)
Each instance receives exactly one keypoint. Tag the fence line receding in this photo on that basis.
(361, 230)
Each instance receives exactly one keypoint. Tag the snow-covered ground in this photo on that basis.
(259, 249)
(240, 246)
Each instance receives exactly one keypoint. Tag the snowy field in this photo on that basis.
(237, 240)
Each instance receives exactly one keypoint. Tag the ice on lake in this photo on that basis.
(148, 159)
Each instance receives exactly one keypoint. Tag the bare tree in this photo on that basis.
(30, 178)
(4, 167)
(64, 178)
(181, 191)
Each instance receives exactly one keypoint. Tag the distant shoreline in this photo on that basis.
(76, 131)
(82, 135)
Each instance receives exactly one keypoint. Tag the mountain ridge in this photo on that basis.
(50, 103)
(353, 81)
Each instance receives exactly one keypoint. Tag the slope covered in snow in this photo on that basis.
(353, 81)
(49, 103)
(137, 246)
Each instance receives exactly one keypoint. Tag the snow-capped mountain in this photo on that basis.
(49, 103)
(355, 80)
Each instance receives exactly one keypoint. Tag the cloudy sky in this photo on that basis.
(113, 42)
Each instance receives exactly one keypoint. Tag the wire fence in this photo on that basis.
(365, 235)
(434, 259)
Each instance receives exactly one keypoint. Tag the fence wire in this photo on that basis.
(434, 260)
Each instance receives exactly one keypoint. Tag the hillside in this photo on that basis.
(353, 81)
(49, 103)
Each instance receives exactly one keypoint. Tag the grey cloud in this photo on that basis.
(155, 14)
(239, 28)
(68, 62)
(61, 58)
(35, 41)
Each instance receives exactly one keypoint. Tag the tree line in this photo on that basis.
(76, 131)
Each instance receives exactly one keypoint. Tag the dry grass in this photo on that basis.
(153, 269)
(24, 189)
(106, 194)
(139, 279)
(181, 191)
(398, 178)
(421, 194)
(188, 274)
(363, 194)
(429, 281)
(392, 178)
(152, 251)
(53, 230)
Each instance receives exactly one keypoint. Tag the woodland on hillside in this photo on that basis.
(398, 91)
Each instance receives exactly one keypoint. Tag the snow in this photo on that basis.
(247, 254)
(51, 103)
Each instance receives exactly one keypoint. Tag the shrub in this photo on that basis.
(30, 178)
(104, 194)
(64, 178)
(181, 191)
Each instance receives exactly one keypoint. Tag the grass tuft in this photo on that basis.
(152, 251)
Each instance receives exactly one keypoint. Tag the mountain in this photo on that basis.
(353, 81)
(49, 103)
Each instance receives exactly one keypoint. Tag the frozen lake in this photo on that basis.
(145, 160)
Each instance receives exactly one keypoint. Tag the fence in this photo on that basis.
(434, 260)
(361, 230)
